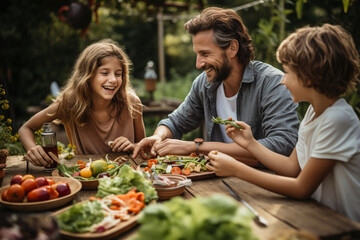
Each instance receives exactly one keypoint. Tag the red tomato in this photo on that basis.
(3, 195)
(175, 170)
(28, 185)
(41, 181)
(27, 176)
(50, 181)
(151, 162)
(15, 193)
(17, 179)
(53, 193)
(81, 164)
(38, 194)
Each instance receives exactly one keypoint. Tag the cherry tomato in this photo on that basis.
(15, 193)
(28, 185)
(151, 162)
(81, 164)
(175, 170)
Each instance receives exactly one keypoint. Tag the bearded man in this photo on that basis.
(232, 85)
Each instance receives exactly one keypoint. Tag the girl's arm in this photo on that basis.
(35, 153)
(139, 127)
(300, 187)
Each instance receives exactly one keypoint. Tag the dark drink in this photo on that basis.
(49, 144)
(54, 150)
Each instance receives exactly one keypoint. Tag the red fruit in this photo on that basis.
(17, 179)
(27, 176)
(28, 185)
(41, 181)
(38, 194)
(50, 181)
(63, 189)
(3, 195)
(76, 174)
(53, 193)
(15, 193)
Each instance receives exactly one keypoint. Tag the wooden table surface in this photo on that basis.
(282, 213)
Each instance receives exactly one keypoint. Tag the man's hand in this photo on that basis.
(174, 146)
(146, 145)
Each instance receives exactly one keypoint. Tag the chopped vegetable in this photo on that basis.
(126, 180)
(215, 217)
(218, 120)
(175, 170)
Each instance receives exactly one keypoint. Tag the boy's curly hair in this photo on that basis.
(326, 56)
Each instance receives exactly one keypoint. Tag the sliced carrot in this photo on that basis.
(151, 162)
(186, 171)
(175, 170)
(93, 198)
(140, 196)
(113, 207)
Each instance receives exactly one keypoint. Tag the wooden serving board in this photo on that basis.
(108, 234)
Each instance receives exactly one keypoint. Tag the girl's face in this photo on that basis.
(107, 80)
(291, 81)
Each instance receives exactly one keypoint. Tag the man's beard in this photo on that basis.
(220, 73)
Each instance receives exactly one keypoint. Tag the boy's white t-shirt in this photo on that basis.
(335, 134)
(225, 108)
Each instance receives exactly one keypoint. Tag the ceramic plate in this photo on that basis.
(75, 187)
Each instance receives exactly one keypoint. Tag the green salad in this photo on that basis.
(215, 217)
(124, 181)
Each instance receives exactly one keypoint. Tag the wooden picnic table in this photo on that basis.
(282, 213)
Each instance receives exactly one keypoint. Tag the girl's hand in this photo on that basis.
(38, 157)
(243, 137)
(223, 165)
(122, 144)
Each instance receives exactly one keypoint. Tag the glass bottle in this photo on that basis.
(49, 143)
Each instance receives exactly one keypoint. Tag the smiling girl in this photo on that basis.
(97, 105)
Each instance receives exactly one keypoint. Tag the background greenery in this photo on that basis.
(36, 48)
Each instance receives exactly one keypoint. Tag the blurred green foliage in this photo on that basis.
(36, 48)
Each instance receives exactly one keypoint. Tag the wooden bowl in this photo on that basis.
(88, 184)
(75, 187)
(165, 193)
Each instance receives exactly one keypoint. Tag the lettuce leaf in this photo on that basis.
(80, 217)
(126, 180)
(215, 217)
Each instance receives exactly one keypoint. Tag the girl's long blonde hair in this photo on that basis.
(74, 101)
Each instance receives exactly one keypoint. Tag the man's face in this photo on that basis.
(210, 57)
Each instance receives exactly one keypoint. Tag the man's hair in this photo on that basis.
(326, 56)
(227, 25)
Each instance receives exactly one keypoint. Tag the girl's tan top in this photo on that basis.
(93, 138)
